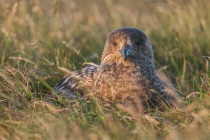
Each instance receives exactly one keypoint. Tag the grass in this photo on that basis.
(40, 41)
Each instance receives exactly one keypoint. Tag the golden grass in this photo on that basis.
(41, 41)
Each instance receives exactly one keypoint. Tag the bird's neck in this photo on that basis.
(148, 70)
(147, 67)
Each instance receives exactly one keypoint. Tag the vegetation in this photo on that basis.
(40, 41)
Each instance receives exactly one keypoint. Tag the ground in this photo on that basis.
(41, 41)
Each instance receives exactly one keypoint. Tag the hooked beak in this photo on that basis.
(126, 51)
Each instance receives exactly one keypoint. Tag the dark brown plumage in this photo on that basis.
(126, 75)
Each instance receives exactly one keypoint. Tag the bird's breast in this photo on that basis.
(119, 82)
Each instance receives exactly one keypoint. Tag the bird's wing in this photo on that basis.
(77, 83)
(171, 96)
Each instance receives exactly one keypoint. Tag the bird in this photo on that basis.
(126, 75)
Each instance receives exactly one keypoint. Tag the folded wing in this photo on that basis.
(77, 83)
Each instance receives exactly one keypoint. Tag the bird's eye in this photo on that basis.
(138, 42)
(114, 43)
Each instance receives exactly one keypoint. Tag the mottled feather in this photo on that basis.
(77, 83)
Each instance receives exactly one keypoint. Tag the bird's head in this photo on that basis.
(127, 45)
